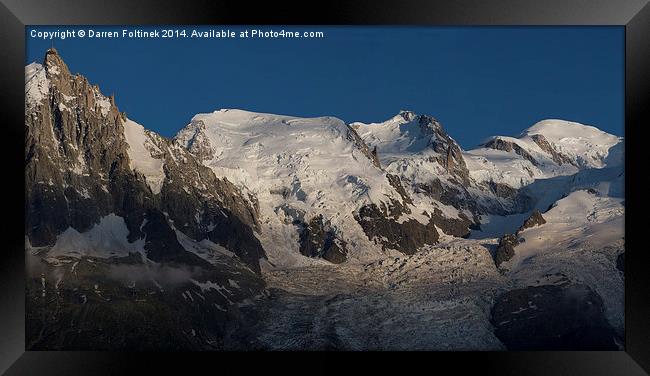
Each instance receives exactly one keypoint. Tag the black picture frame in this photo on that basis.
(634, 15)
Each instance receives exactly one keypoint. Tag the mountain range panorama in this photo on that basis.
(237, 196)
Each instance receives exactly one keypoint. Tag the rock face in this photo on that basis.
(70, 156)
(197, 142)
(455, 196)
(549, 149)
(502, 190)
(358, 142)
(138, 242)
(558, 157)
(535, 219)
(507, 243)
(432, 168)
(396, 183)
(82, 163)
(506, 249)
(431, 135)
(318, 239)
(128, 228)
(498, 143)
(449, 152)
(406, 237)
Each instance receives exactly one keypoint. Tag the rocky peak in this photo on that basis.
(450, 154)
(407, 115)
(85, 160)
(54, 65)
(429, 122)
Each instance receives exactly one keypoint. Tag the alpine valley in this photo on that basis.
(253, 231)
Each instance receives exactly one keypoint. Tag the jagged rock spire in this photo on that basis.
(53, 62)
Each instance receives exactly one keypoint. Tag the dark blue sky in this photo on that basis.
(478, 81)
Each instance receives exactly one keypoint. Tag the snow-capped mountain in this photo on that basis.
(85, 160)
(194, 229)
(545, 163)
(547, 149)
(321, 192)
(408, 134)
(435, 170)
(319, 176)
(114, 211)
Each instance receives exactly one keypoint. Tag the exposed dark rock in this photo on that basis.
(396, 183)
(502, 190)
(406, 237)
(535, 219)
(553, 317)
(363, 147)
(282, 191)
(508, 242)
(506, 249)
(77, 170)
(456, 196)
(457, 189)
(450, 155)
(459, 227)
(501, 144)
(161, 243)
(506, 199)
(291, 215)
(439, 192)
(558, 157)
(529, 171)
(317, 239)
(448, 152)
(408, 115)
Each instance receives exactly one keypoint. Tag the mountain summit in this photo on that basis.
(322, 193)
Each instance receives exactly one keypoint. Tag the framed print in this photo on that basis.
(456, 182)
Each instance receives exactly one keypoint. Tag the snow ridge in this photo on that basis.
(298, 168)
(548, 149)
